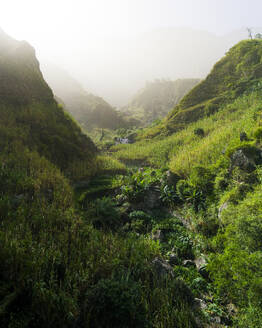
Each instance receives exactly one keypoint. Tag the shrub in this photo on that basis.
(103, 214)
(114, 303)
(199, 132)
(258, 133)
(141, 222)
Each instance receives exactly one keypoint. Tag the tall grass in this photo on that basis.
(184, 149)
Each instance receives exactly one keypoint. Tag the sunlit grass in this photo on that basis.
(184, 149)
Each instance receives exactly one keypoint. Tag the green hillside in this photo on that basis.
(89, 110)
(157, 98)
(29, 114)
(68, 257)
(214, 152)
(236, 73)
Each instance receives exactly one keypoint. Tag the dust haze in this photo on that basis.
(113, 47)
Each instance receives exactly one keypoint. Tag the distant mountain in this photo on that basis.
(29, 114)
(89, 110)
(157, 98)
(117, 68)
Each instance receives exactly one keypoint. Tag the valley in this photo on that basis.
(163, 231)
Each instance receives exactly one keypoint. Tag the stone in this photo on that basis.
(171, 178)
(173, 259)
(189, 263)
(243, 161)
(162, 267)
(158, 235)
(200, 262)
(152, 198)
(200, 304)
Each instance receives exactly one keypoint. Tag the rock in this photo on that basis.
(231, 308)
(158, 235)
(243, 136)
(171, 178)
(162, 268)
(240, 159)
(173, 259)
(189, 263)
(216, 320)
(152, 198)
(200, 262)
(200, 304)
(221, 209)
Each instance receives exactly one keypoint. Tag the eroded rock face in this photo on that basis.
(162, 268)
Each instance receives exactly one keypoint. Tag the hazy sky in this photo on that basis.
(42, 21)
(65, 30)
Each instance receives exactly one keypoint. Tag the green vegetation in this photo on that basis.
(216, 157)
(236, 73)
(173, 243)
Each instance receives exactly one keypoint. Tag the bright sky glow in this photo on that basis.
(66, 31)
(44, 22)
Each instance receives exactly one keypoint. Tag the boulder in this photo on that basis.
(201, 264)
(247, 158)
(200, 304)
(162, 268)
(171, 178)
(189, 263)
(152, 198)
(173, 259)
(158, 235)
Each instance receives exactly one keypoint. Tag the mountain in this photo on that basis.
(157, 98)
(29, 114)
(237, 72)
(89, 110)
(171, 53)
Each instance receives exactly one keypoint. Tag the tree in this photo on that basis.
(258, 36)
(250, 33)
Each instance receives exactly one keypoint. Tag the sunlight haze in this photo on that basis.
(104, 44)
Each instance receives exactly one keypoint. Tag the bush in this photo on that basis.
(258, 133)
(114, 303)
(199, 132)
(141, 222)
(103, 214)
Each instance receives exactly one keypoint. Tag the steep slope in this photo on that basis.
(29, 115)
(237, 72)
(215, 181)
(157, 98)
(89, 110)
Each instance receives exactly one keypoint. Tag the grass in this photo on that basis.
(183, 150)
